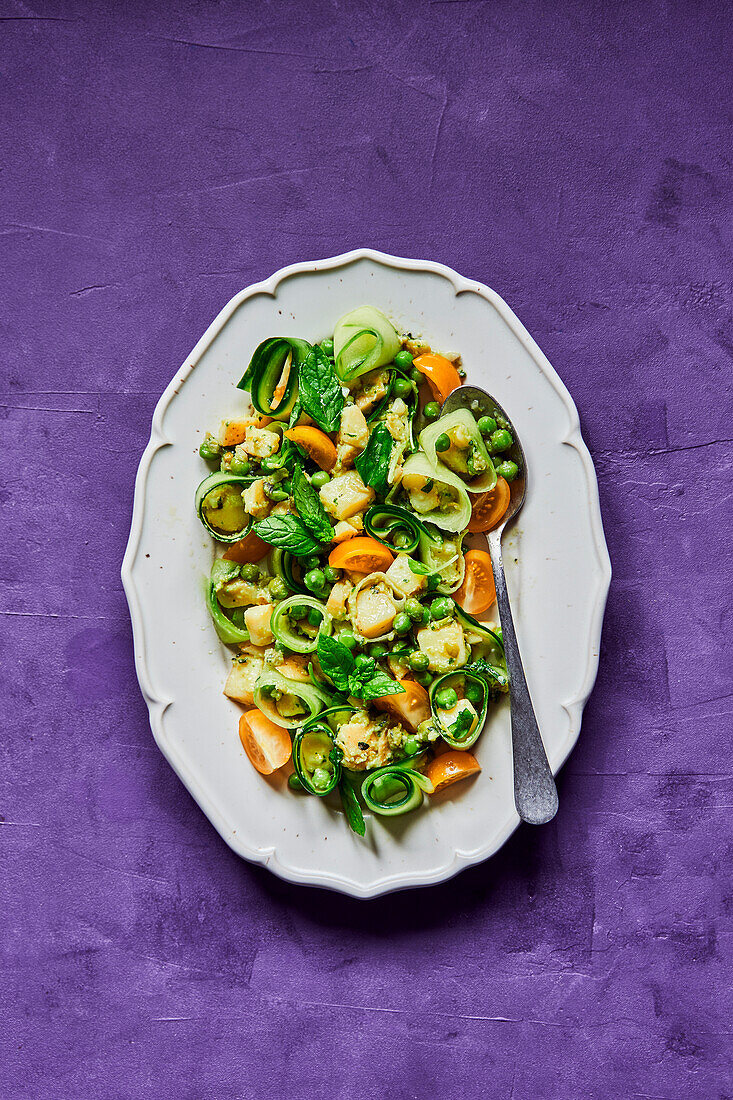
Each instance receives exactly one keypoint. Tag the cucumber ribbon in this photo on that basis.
(272, 375)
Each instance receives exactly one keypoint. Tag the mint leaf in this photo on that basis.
(482, 667)
(309, 507)
(378, 685)
(373, 462)
(287, 532)
(336, 661)
(319, 392)
(462, 725)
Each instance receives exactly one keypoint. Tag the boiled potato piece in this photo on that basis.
(403, 578)
(346, 495)
(241, 680)
(257, 621)
(444, 646)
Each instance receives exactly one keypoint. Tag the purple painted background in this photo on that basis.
(154, 159)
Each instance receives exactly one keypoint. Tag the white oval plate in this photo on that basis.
(557, 564)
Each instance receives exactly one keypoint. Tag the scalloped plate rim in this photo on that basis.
(157, 703)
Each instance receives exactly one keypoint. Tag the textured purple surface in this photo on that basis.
(155, 158)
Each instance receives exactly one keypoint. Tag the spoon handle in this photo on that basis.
(535, 794)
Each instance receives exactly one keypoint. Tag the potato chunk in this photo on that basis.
(257, 621)
(240, 683)
(403, 578)
(354, 431)
(374, 612)
(444, 646)
(260, 442)
(256, 501)
(346, 495)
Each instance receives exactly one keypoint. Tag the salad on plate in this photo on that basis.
(350, 514)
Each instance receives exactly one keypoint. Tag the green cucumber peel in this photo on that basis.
(265, 370)
(461, 418)
(384, 520)
(314, 749)
(214, 481)
(455, 738)
(281, 624)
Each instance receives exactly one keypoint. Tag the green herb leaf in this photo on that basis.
(462, 725)
(320, 393)
(352, 809)
(378, 685)
(295, 415)
(482, 667)
(373, 463)
(336, 661)
(287, 532)
(310, 509)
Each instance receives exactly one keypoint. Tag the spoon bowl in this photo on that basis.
(535, 793)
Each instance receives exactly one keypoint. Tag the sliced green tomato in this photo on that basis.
(437, 494)
(228, 631)
(362, 341)
(282, 626)
(384, 521)
(316, 759)
(444, 557)
(394, 790)
(452, 728)
(467, 455)
(220, 507)
(299, 700)
(272, 375)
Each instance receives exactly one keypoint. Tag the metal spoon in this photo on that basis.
(535, 794)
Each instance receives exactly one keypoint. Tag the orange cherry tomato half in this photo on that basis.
(450, 767)
(361, 555)
(411, 706)
(490, 507)
(268, 746)
(316, 444)
(247, 550)
(477, 593)
(442, 376)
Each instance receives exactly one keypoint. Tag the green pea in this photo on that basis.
(311, 561)
(487, 425)
(431, 410)
(500, 440)
(272, 463)
(297, 612)
(315, 580)
(417, 376)
(278, 588)
(294, 783)
(315, 617)
(442, 443)
(331, 574)
(426, 616)
(347, 638)
(441, 608)
(411, 745)
(401, 540)
(425, 679)
(446, 698)
(403, 359)
(419, 661)
(321, 778)
(433, 580)
(378, 650)
(319, 479)
(286, 486)
(402, 388)
(249, 572)
(508, 470)
(414, 609)
(240, 466)
(401, 623)
(474, 693)
(210, 450)
(327, 346)
(274, 493)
